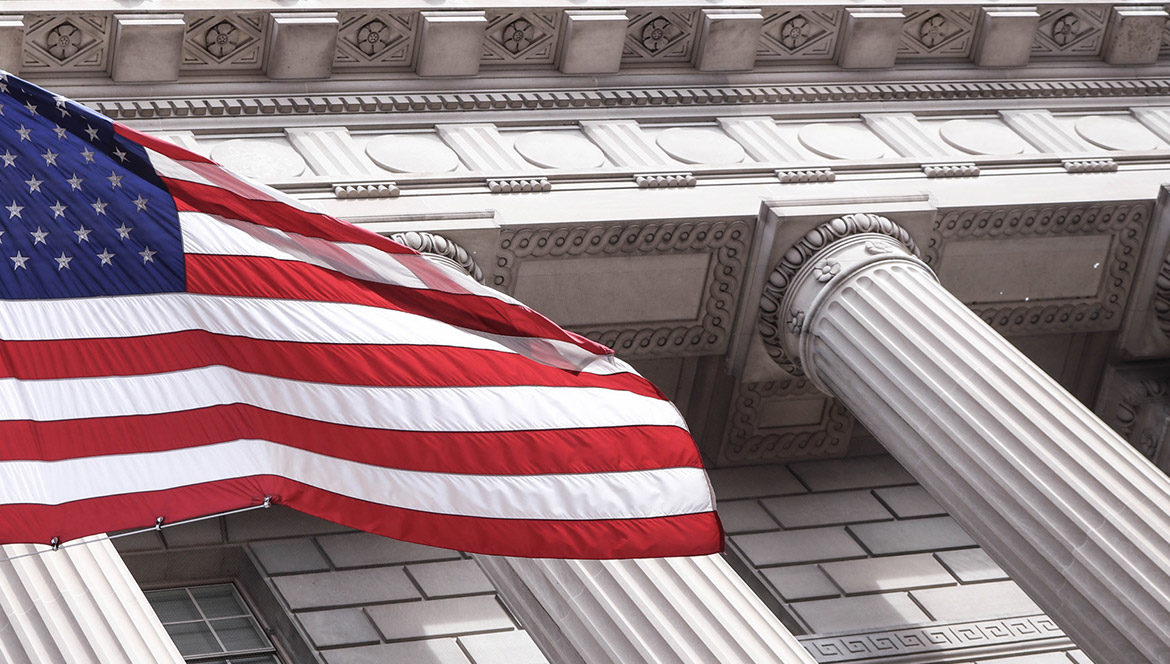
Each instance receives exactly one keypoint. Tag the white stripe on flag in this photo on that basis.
(275, 320)
(615, 495)
(481, 408)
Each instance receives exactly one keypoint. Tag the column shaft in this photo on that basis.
(78, 605)
(1077, 517)
(660, 611)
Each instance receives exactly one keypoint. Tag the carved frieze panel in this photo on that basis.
(784, 420)
(946, 642)
(1135, 401)
(375, 39)
(73, 42)
(1070, 31)
(227, 40)
(1106, 237)
(799, 34)
(514, 38)
(938, 32)
(707, 258)
(660, 36)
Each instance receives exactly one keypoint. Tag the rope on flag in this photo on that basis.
(177, 341)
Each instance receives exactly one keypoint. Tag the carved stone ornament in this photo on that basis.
(1162, 297)
(800, 256)
(441, 250)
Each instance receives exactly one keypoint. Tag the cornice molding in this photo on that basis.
(552, 100)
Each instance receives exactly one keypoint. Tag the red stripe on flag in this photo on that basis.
(554, 451)
(211, 199)
(251, 276)
(340, 364)
(686, 535)
(158, 145)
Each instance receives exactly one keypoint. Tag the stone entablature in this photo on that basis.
(283, 42)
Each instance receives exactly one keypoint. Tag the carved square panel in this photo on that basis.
(79, 42)
(1070, 31)
(1104, 240)
(660, 36)
(690, 272)
(520, 38)
(938, 32)
(225, 41)
(784, 420)
(799, 34)
(375, 39)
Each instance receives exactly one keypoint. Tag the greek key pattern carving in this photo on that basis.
(464, 102)
(78, 43)
(938, 32)
(745, 440)
(725, 241)
(228, 40)
(375, 39)
(1070, 31)
(966, 638)
(804, 34)
(805, 250)
(1126, 223)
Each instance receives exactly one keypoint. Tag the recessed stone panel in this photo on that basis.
(408, 153)
(838, 141)
(555, 149)
(1116, 133)
(263, 160)
(1025, 270)
(600, 291)
(700, 146)
(982, 137)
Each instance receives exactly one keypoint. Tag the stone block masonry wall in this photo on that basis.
(352, 597)
(872, 569)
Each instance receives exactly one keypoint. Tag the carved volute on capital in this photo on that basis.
(814, 266)
(440, 250)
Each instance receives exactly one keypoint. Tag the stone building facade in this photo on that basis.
(773, 210)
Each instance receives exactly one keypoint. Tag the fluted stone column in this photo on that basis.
(659, 611)
(1069, 509)
(77, 605)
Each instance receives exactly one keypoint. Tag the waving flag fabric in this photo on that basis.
(176, 342)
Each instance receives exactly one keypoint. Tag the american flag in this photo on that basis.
(176, 342)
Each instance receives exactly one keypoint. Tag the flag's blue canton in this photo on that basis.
(82, 213)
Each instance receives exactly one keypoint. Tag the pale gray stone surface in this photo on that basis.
(1005, 36)
(825, 509)
(907, 502)
(1038, 658)
(447, 579)
(502, 648)
(302, 45)
(338, 627)
(971, 565)
(870, 575)
(440, 617)
(851, 473)
(276, 522)
(451, 43)
(911, 536)
(870, 39)
(798, 582)
(754, 481)
(1134, 35)
(744, 516)
(798, 546)
(290, 556)
(858, 613)
(980, 600)
(346, 588)
(428, 651)
(592, 43)
(149, 47)
(363, 549)
(728, 39)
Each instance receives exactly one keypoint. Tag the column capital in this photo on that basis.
(809, 269)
